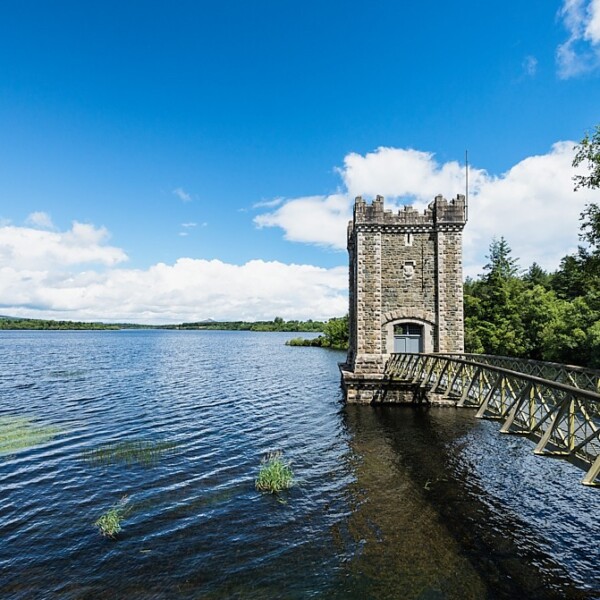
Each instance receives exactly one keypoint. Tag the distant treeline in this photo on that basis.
(12, 323)
(278, 324)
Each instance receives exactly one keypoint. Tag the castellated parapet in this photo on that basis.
(405, 287)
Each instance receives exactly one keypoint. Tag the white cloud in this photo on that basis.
(268, 203)
(532, 205)
(25, 248)
(530, 64)
(592, 28)
(183, 233)
(581, 52)
(313, 219)
(75, 274)
(189, 290)
(189, 225)
(406, 174)
(182, 194)
(40, 220)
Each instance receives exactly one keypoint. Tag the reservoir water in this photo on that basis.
(389, 502)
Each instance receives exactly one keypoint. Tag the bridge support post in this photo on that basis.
(593, 474)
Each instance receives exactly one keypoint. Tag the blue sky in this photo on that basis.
(177, 161)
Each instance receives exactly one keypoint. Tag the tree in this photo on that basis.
(570, 281)
(501, 264)
(335, 333)
(588, 153)
(535, 275)
(590, 229)
(493, 306)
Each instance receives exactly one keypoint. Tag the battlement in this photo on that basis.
(440, 211)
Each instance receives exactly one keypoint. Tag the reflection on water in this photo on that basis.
(430, 529)
(404, 548)
(390, 502)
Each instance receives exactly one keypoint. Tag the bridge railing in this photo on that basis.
(580, 377)
(563, 419)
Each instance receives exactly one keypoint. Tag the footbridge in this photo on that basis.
(555, 405)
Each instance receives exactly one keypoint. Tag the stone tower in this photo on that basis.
(406, 290)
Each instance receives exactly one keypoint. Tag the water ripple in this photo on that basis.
(196, 527)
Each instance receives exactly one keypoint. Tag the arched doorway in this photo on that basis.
(408, 337)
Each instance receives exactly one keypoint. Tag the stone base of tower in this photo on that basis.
(365, 383)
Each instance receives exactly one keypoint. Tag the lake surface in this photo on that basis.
(390, 502)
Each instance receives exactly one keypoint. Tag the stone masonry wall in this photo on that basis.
(450, 286)
(404, 266)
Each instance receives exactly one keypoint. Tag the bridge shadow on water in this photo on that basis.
(426, 525)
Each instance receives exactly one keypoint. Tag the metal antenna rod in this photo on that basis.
(466, 185)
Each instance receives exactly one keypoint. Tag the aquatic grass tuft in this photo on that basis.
(19, 433)
(146, 453)
(109, 523)
(275, 474)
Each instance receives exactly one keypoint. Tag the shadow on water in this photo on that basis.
(423, 527)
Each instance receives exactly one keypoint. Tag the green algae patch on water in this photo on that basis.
(109, 522)
(20, 433)
(145, 453)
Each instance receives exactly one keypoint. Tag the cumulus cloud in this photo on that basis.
(40, 220)
(182, 194)
(580, 53)
(403, 174)
(189, 290)
(76, 274)
(314, 219)
(25, 248)
(532, 205)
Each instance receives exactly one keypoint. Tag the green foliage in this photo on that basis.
(336, 333)
(316, 342)
(501, 265)
(590, 228)
(275, 474)
(278, 324)
(129, 452)
(538, 315)
(12, 323)
(588, 154)
(335, 336)
(535, 275)
(109, 523)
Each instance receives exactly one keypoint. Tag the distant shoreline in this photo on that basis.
(278, 324)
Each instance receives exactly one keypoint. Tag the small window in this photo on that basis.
(407, 329)
(408, 239)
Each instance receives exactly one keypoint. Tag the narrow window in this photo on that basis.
(408, 239)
